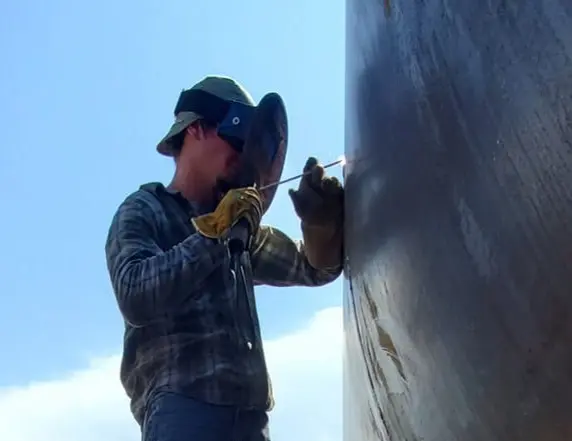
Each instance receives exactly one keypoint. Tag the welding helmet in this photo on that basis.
(219, 101)
(258, 132)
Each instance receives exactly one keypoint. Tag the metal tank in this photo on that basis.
(459, 221)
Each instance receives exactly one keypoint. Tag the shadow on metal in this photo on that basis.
(459, 235)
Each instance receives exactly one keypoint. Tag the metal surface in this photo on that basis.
(459, 228)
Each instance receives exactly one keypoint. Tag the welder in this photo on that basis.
(193, 363)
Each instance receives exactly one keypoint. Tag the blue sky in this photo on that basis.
(87, 90)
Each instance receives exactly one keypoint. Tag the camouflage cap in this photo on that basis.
(220, 86)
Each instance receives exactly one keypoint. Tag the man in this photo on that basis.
(193, 363)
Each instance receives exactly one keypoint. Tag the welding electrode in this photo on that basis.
(274, 184)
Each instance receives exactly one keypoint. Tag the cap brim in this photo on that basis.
(184, 120)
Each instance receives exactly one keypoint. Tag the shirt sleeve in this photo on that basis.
(278, 260)
(150, 282)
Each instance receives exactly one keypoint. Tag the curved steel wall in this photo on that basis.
(459, 235)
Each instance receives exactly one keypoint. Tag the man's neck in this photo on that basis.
(191, 191)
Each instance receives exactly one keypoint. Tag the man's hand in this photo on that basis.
(319, 199)
(237, 204)
(319, 202)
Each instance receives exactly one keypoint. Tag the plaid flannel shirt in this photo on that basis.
(187, 328)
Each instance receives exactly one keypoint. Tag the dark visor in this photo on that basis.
(231, 118)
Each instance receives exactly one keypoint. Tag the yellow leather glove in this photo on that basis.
(319, 202)
(237, 204)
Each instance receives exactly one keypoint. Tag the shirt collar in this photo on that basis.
(159, 189)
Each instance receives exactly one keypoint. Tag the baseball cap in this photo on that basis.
(207, 98)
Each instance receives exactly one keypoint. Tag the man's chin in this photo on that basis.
(222, 187)
(226, 184)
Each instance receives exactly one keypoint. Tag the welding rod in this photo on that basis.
(274, 184)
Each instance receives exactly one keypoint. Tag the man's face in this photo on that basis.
(212, 158)
(220, 157)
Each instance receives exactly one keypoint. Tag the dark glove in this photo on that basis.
(237, 204)
(319, 202)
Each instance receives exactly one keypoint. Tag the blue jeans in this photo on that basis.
(175, 417)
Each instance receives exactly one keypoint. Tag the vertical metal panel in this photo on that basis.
(459, 235)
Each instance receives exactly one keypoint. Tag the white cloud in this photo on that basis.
(306, 369)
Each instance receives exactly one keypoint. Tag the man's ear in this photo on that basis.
(200, 131)
(195, 131)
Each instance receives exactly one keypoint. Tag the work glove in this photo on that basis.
(237, 204)
(319, 202)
